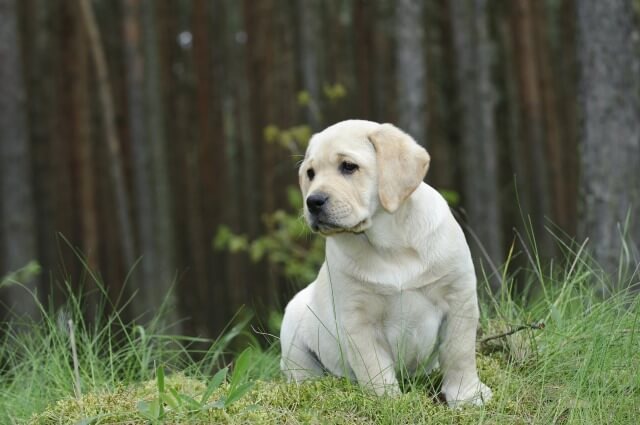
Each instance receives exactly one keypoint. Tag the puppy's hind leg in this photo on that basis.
(461, 384)
(298, 362)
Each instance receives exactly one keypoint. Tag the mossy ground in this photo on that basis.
(583, 381)
(582, 368)
(326, 400)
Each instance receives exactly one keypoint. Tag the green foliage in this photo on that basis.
(294, 139)
(24, 274)
(451, 196)
(186, 404)
(287, 243)
(334, 92)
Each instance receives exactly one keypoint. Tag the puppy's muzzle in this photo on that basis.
(316, 202)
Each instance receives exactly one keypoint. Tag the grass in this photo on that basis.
(582, 367)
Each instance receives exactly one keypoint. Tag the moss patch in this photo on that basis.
(326, 400)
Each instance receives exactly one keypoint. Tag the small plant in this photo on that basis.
(287, 243)
(184, 404)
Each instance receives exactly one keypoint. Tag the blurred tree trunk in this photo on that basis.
(411, 72)
(365, 57)
(211, 150)
(477, 98)
(566, 61)
(107, 113)
(535, 192)
(63, 136)
(236, 113)
(309, 12)
(76, 121)
(263, 60)
(559, 175)
(163, 232)
(609, 96)
(151, 288)
(84, 149)
(16, 191)
(40, 50)
(383, 63)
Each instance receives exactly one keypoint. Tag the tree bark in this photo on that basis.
(16, 191)
(476, 109)
(411, 72)
(163, 232)
(609, 96)
(535, 195)
(125, 228)
(309, 12)
(151, 288)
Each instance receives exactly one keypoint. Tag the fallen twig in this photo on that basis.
(539, 325)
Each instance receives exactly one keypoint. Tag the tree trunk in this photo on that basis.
(536, 199)
(411, 71)
(107, 113)
(40, 53)
(164, 235)
(309, 12)
(16, 192)
(477, 98)
(151, 290)
(609, 97)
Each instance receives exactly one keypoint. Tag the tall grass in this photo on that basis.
(582, 367)
(66, 354)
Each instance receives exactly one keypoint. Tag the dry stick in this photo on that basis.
(74, 353)
(111, 135)
(512, 331)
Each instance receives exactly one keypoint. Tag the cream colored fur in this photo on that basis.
(397, 288)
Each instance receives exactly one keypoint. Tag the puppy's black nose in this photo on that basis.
(316, 201)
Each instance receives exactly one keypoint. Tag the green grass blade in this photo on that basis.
(240, 368)
(214, 384)
(237, 393)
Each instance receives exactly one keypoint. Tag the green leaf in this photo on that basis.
(237, 393)
(240, 368)
(223, 236)
(294, 197)
(219, 404)
(160, 382)
(172, 401)
(190, 401)
(149, 409)
(303, 98)
(271, 133)
(160, 379)
(214, 384)
(451, 196)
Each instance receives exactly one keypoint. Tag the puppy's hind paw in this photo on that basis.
(476, 394)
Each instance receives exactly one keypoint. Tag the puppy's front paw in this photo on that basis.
(475, 393)
(391, 390)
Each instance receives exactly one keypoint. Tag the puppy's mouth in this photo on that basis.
(328, 228)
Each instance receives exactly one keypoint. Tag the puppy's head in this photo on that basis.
(355, 167)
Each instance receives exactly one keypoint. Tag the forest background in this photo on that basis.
(152, 145)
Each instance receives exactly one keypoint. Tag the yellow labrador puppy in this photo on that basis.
(397, 288)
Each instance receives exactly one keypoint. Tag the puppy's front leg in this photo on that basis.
(371, 360)
(461, 384)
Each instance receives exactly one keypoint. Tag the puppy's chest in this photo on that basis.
(389, 273)
(403, 310)
(410, 322)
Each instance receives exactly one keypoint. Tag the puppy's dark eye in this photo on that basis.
(311, 174)
(348, 167)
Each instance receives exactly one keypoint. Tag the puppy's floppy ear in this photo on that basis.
(402, 164)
